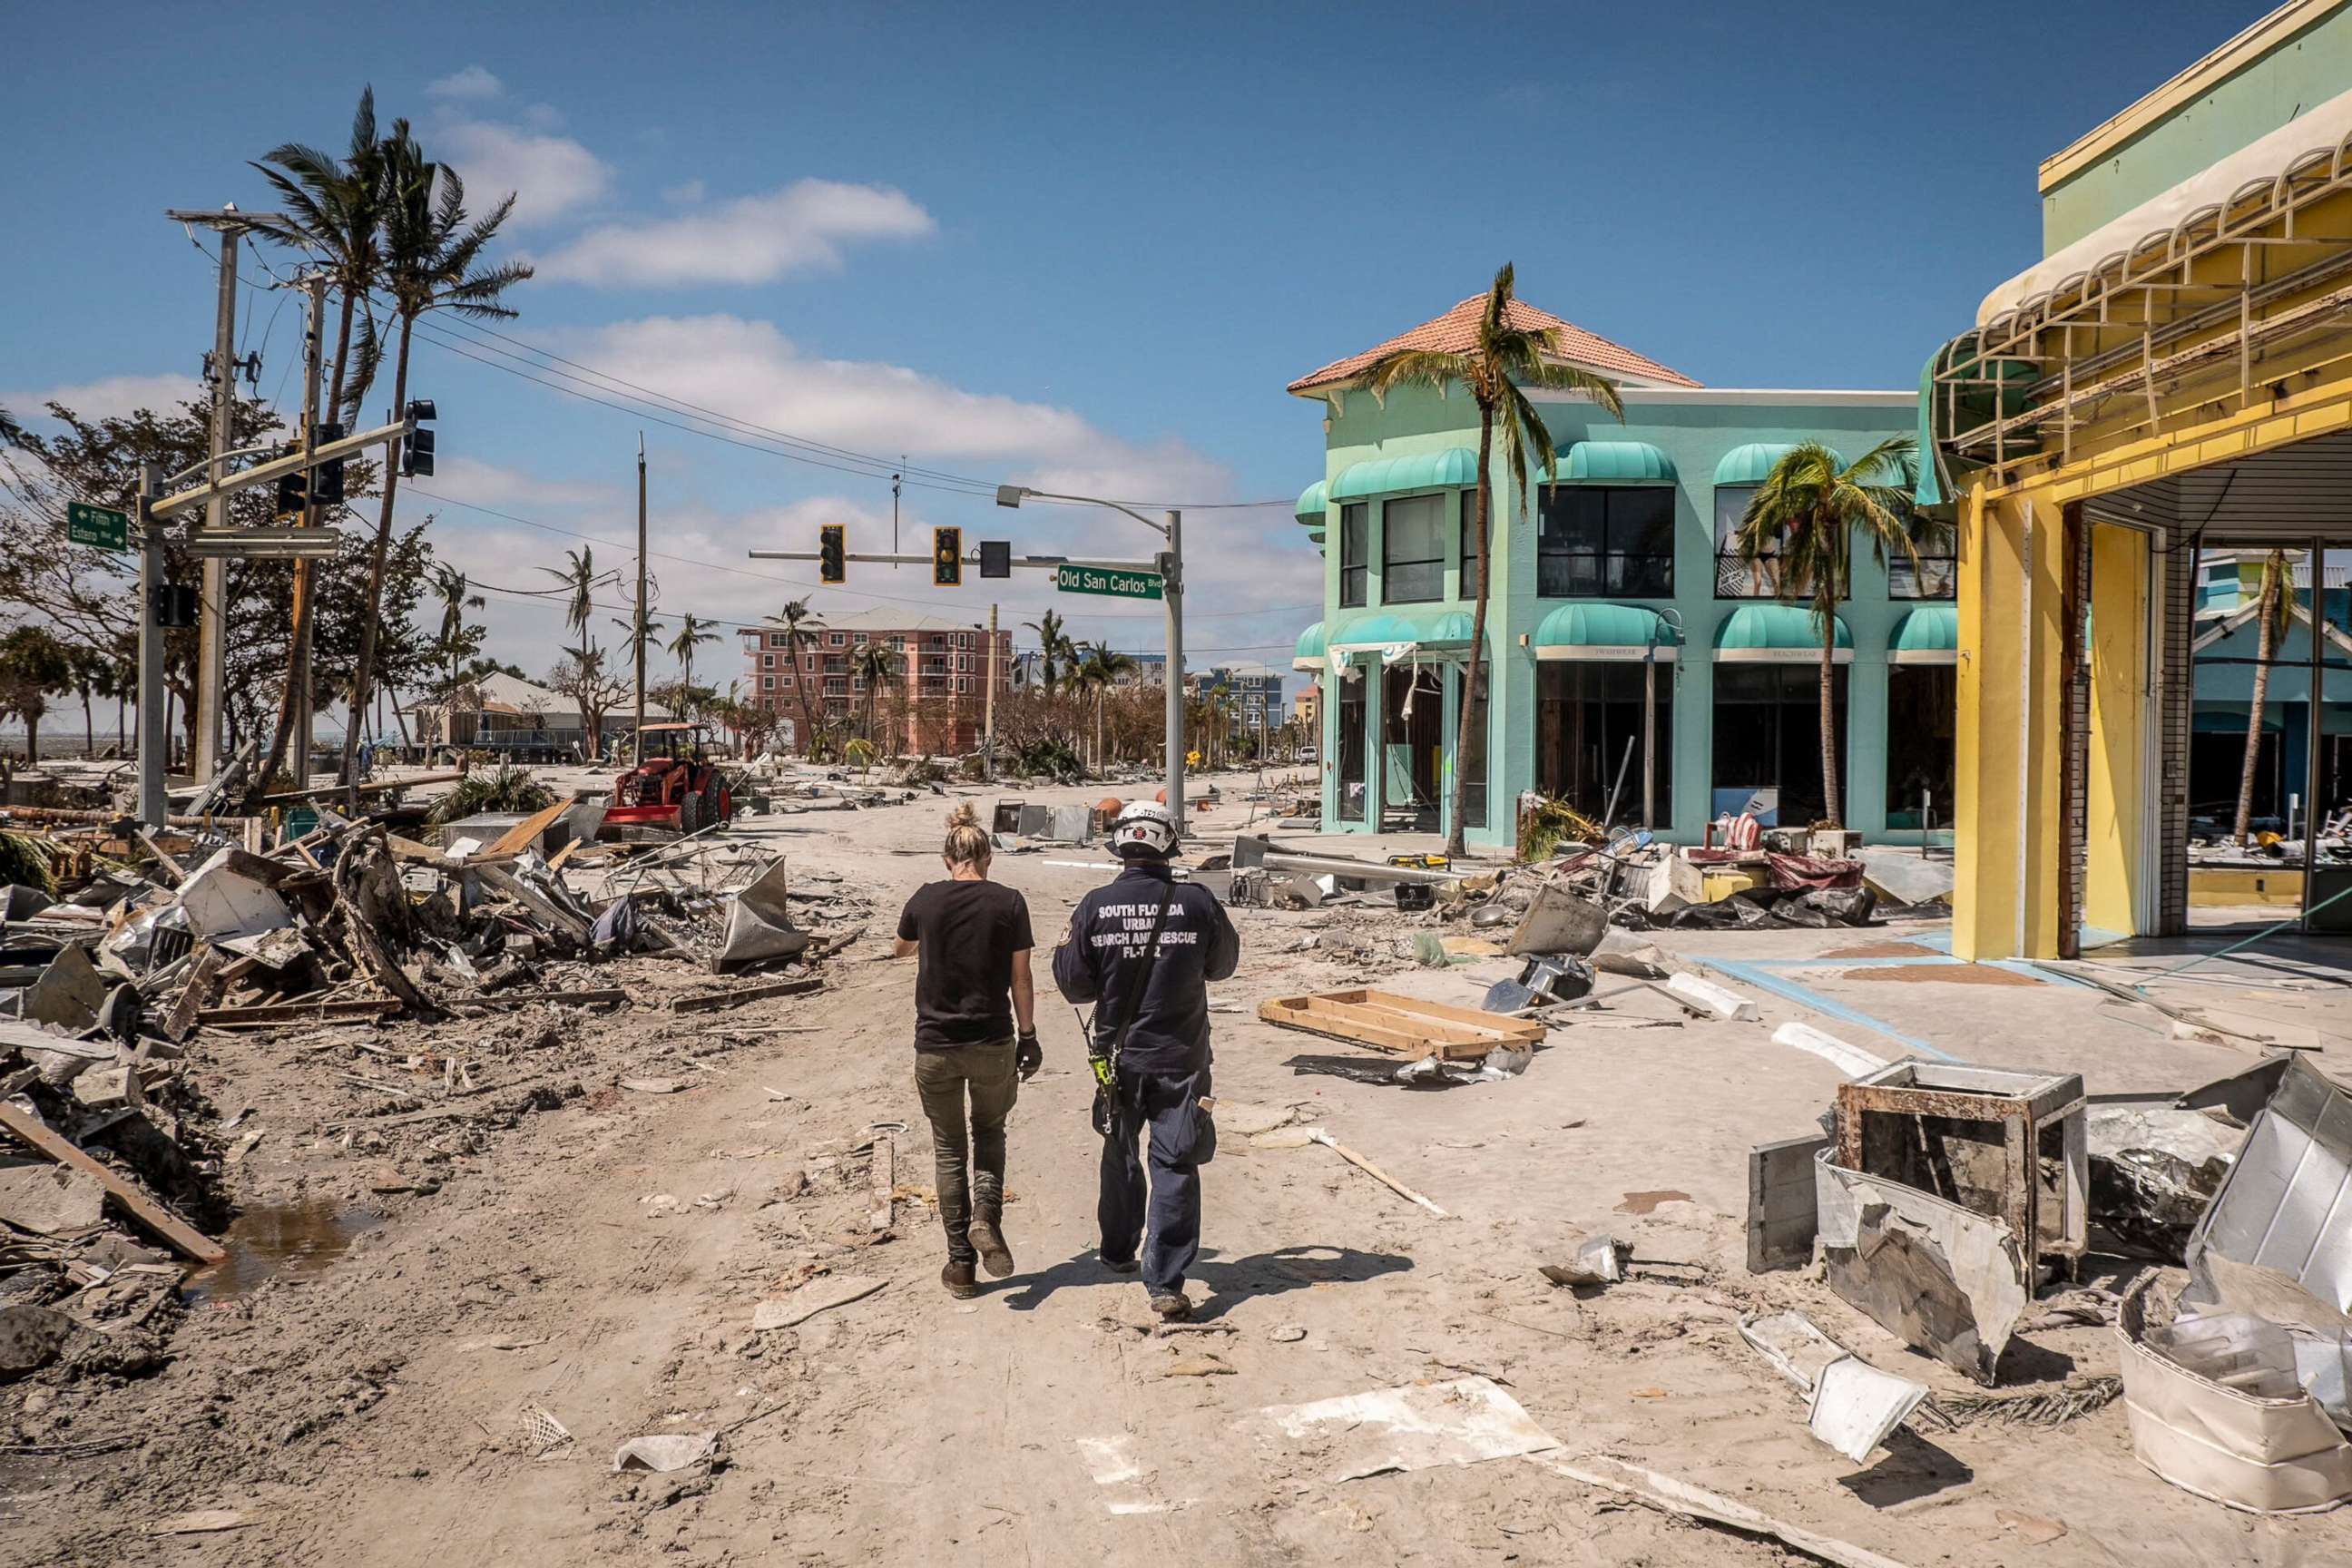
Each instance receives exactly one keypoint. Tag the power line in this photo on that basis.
(630, 549)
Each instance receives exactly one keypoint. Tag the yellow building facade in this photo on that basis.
(2175, 374)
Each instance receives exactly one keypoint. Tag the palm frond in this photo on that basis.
(1558, 377)
(1418, 367)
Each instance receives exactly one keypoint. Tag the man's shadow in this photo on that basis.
(1273, 1273)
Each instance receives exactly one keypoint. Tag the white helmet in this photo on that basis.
(1144, 827)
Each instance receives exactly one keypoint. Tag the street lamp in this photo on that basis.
(1171, 594)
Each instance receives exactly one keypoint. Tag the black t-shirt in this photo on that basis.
(963, 984)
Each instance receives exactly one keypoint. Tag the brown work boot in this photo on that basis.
(988, 1236)
(958, 1279)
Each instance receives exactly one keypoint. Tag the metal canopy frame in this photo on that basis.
(2187, 303)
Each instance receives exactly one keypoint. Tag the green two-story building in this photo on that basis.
(1631, 653)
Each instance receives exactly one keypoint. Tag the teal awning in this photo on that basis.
(1612, 463)
(1308, 653)
(1311, 505)
(1448, 468)
(1606, 632)
(1929, 635)
(1747, 464)
(1777, 633)
(1389, 629)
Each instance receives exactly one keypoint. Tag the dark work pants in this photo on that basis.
(1169, 1227)
(972, 1179)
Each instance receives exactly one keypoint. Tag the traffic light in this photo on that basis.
(416, 450)
(833, 552)
(172, 605)
(947, 557)
(996, 558)
(327, 486)
(292, 488)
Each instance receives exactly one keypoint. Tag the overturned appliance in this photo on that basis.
(1938, 1277)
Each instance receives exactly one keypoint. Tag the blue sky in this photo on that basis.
(1084, 246)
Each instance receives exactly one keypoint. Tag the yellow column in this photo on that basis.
(2005, 903)
(2113, 869)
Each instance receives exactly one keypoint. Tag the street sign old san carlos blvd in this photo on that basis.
(1113, 581)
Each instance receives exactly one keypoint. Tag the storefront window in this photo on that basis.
(1474, 758)
(1589, 725)
(1923, 703)
(1413, 550)
(1937, 574)
(1470, 542)
(1353, 558)
(1767, 736)
(1598, 539)
(1349, 744)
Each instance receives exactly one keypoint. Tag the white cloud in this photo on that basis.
(111, 396)
(549, 175)
(473, 83)
(751, 239)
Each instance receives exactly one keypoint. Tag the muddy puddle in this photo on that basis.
(280, 1240)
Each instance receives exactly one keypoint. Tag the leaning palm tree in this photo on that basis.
(693, 632)
(2273, 611)
(1506, 357)
(1056, 650)
(432, 257)
(875, 664)
(796, 617)
(11, 432)
(579, 580)
(1804, 517)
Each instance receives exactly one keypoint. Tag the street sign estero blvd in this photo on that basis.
(98, 525)
(1109, 581)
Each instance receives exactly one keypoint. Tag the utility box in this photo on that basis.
(2009, 1145)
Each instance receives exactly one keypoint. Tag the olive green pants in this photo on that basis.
(967, 1165)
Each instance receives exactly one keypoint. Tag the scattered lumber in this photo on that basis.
(735, 996)
(184, 1237)
(1400, 1026)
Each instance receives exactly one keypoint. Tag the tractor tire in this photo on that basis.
(714, 801)
(689, 813)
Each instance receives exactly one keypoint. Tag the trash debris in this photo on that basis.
(1671, 1495)
(2215, 1408)
(760, 928)
(1706, 997)
(2154, 1171)
(2009, 1145)
(2077, 1397)
(665, 1451)
(1938, 1277)
(538, 1432)
(1851, 1060)
(1317, 1135)
(1559, 921)
(818, 1295)
(2281, 1205)
(1391, 1430)
(1597, 1258)
(1782, 1204)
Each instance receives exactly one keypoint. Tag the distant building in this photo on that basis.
(1256, 691)
(517, 720)
(1151, 670)
(936, 704)
(1307, 709)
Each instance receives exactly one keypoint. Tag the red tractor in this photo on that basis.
(673, 784)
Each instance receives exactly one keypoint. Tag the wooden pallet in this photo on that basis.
(1401, 1026)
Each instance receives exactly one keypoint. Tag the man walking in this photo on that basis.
(1143, 949)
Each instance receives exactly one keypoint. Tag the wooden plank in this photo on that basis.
(711, 1001)
(182, 1235)
(203, 987)
(295, 797)
(1400, 1025)
(524, 833)
(298, 1012)
(555, 861)
(599, 997)
(1387, 1017)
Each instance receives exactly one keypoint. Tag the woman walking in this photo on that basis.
(972, 988)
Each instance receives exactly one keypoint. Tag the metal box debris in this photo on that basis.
(1939, 1277)
(2286, 1203)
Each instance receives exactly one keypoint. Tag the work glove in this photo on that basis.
(1028, 1055)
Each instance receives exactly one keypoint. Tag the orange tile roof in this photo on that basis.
(1457, 329)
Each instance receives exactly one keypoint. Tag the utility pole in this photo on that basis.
(638, 751)
(299, 667)
(212, 616)
(154, 742)
(988, 736)
(1172, 591)
(894, 508)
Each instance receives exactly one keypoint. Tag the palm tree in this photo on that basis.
(1507, 357)
(2271, 612)
(796, 614)
(693, 632)
(579, 577)
(875, 664)
(431, 254)
(333, 209)
(1805, 515)
(11, 432)
(1054, 644)
(1099, 670)
(457, 596)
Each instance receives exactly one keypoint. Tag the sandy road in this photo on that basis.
(365, 1416)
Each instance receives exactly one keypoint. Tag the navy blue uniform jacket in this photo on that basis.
(1102, 957)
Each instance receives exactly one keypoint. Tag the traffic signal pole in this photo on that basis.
(211, 619)
(297, 672)
(1172, 593)
(154, 742)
